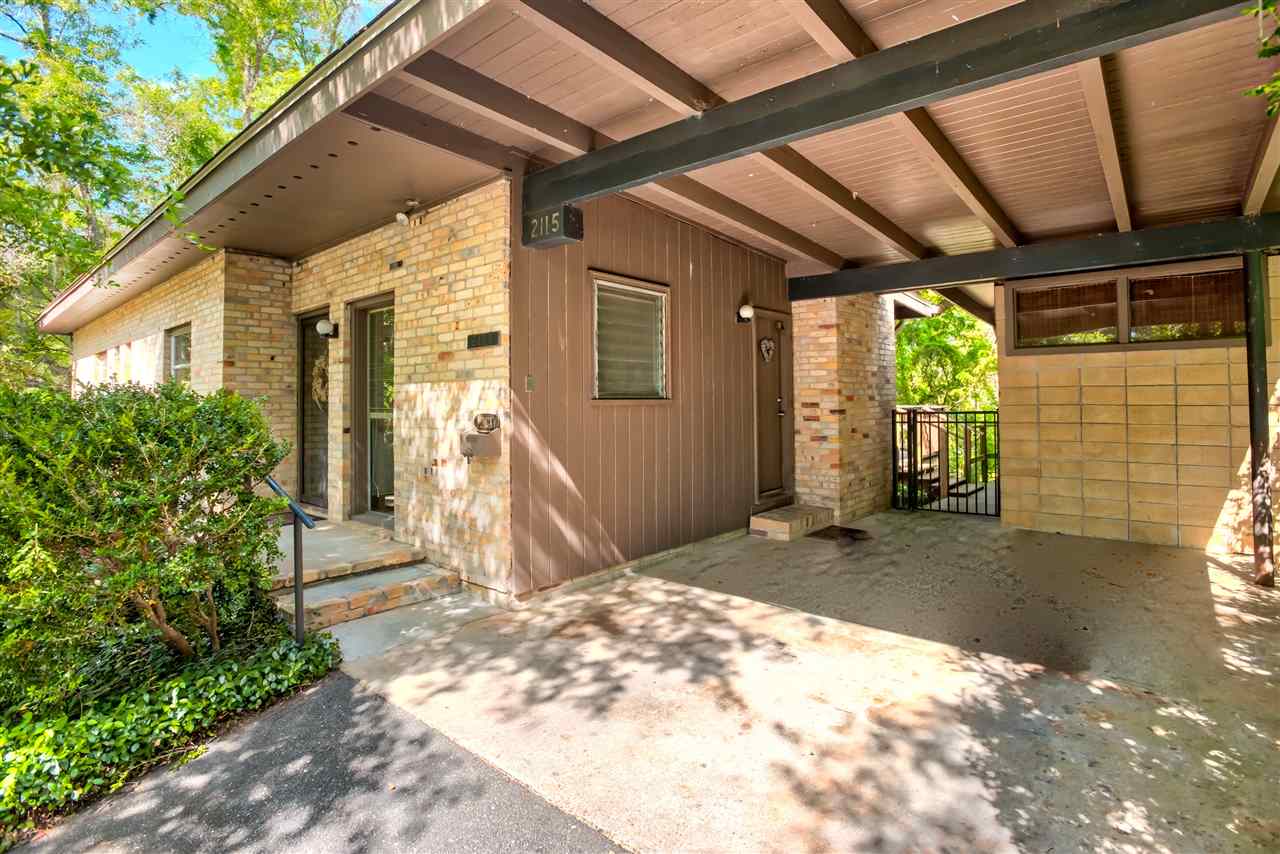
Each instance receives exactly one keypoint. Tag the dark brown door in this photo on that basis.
(773, 404)
(313, 413)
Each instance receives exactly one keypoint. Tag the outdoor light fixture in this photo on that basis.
(746, 312)
(326, 328)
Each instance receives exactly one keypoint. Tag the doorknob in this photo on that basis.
(781, 411)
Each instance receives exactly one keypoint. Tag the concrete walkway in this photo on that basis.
(946, 685)
(336, 769)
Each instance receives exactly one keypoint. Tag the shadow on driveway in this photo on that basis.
(334, 769)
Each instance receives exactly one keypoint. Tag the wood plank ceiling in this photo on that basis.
(1153, 135)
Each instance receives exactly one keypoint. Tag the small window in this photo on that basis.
(177, 353)
(1187, 308)
(631, 338)
(1196, 303)
(1067, 315)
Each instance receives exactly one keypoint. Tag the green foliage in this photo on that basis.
(48, 763)
(126, 514)
(1269, 46)
(946, 360)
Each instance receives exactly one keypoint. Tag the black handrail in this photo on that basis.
(299, 516)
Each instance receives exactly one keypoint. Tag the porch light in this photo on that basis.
(326, 328)
(746, 312)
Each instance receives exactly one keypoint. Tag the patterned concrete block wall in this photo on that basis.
(127, 343)
(448, 271)
(260, 345)
(844, 394)
(1144, 445)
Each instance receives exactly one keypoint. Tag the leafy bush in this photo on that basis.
(49, 763)
(126, 514)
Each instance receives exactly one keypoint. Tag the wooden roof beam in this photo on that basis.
(1104, 132)
(1010, 44)
(1265, 168)
(612, 47)
(830, 25)
(473, 91)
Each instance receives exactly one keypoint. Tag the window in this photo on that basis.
(631, 341)
(1194, 304)
(177, 353)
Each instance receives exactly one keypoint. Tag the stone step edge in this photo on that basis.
(797, 521)
(342, 570)
(364, 603)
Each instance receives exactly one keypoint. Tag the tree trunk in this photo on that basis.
(155, 615)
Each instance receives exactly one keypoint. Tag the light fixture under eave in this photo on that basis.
(746, 313)
(326, 328)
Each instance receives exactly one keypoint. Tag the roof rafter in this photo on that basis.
(1265, 168)
(460, 85)
(1099, 106)
(613, 47)
(830, 25)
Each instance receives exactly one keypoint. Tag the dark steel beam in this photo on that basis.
(1104, 252)
(1255, 331)
(1010, 44)
(966, 301)
(406, 121)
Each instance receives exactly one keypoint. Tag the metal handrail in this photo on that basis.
(299, 515)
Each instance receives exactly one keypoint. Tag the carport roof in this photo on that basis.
(1150, 135)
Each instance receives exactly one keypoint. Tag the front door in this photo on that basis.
(774, 430)
(381, 396)
(313, 413)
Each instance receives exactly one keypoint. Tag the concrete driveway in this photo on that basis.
(945, 685)
(335, 769)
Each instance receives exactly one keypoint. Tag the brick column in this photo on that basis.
(845, 393)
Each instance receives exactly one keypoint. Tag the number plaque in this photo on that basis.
(552, 227)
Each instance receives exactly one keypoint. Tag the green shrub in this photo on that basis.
(46, 764)
(126, 513)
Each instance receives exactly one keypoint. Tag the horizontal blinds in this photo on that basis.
(629, 343)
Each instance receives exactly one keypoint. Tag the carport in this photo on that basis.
(945, 684)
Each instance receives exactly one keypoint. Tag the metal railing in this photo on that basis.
(300, 518)
(946, 461)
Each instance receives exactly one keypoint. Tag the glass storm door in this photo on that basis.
(313, 414)
(381, 396)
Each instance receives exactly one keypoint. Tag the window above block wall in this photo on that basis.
(1192, 304)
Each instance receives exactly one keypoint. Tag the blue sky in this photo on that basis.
(175, 41)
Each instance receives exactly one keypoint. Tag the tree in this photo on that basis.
(1269, 46)
(66, 181)
(946, 360)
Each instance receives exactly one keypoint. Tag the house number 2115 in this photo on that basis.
(552, 227)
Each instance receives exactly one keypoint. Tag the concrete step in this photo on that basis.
(317, 567)
(331, 602)
(791, 523)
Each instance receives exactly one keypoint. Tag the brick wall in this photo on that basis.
(844, 393)
(260, 345)
(127, 343)
(1144, 445)
(448, 274)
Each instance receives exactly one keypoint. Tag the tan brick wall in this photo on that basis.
(127, 343)
(844, 393)
(450, 280)
(260, 346)
(1144, 445)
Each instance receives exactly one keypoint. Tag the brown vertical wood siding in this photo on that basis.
(598, 483)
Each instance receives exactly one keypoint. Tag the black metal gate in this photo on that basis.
(946, 461)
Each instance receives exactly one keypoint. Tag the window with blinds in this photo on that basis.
(630, 342)
(1187, 304)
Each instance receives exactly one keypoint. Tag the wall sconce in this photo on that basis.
(746, 313)
(326, 328)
